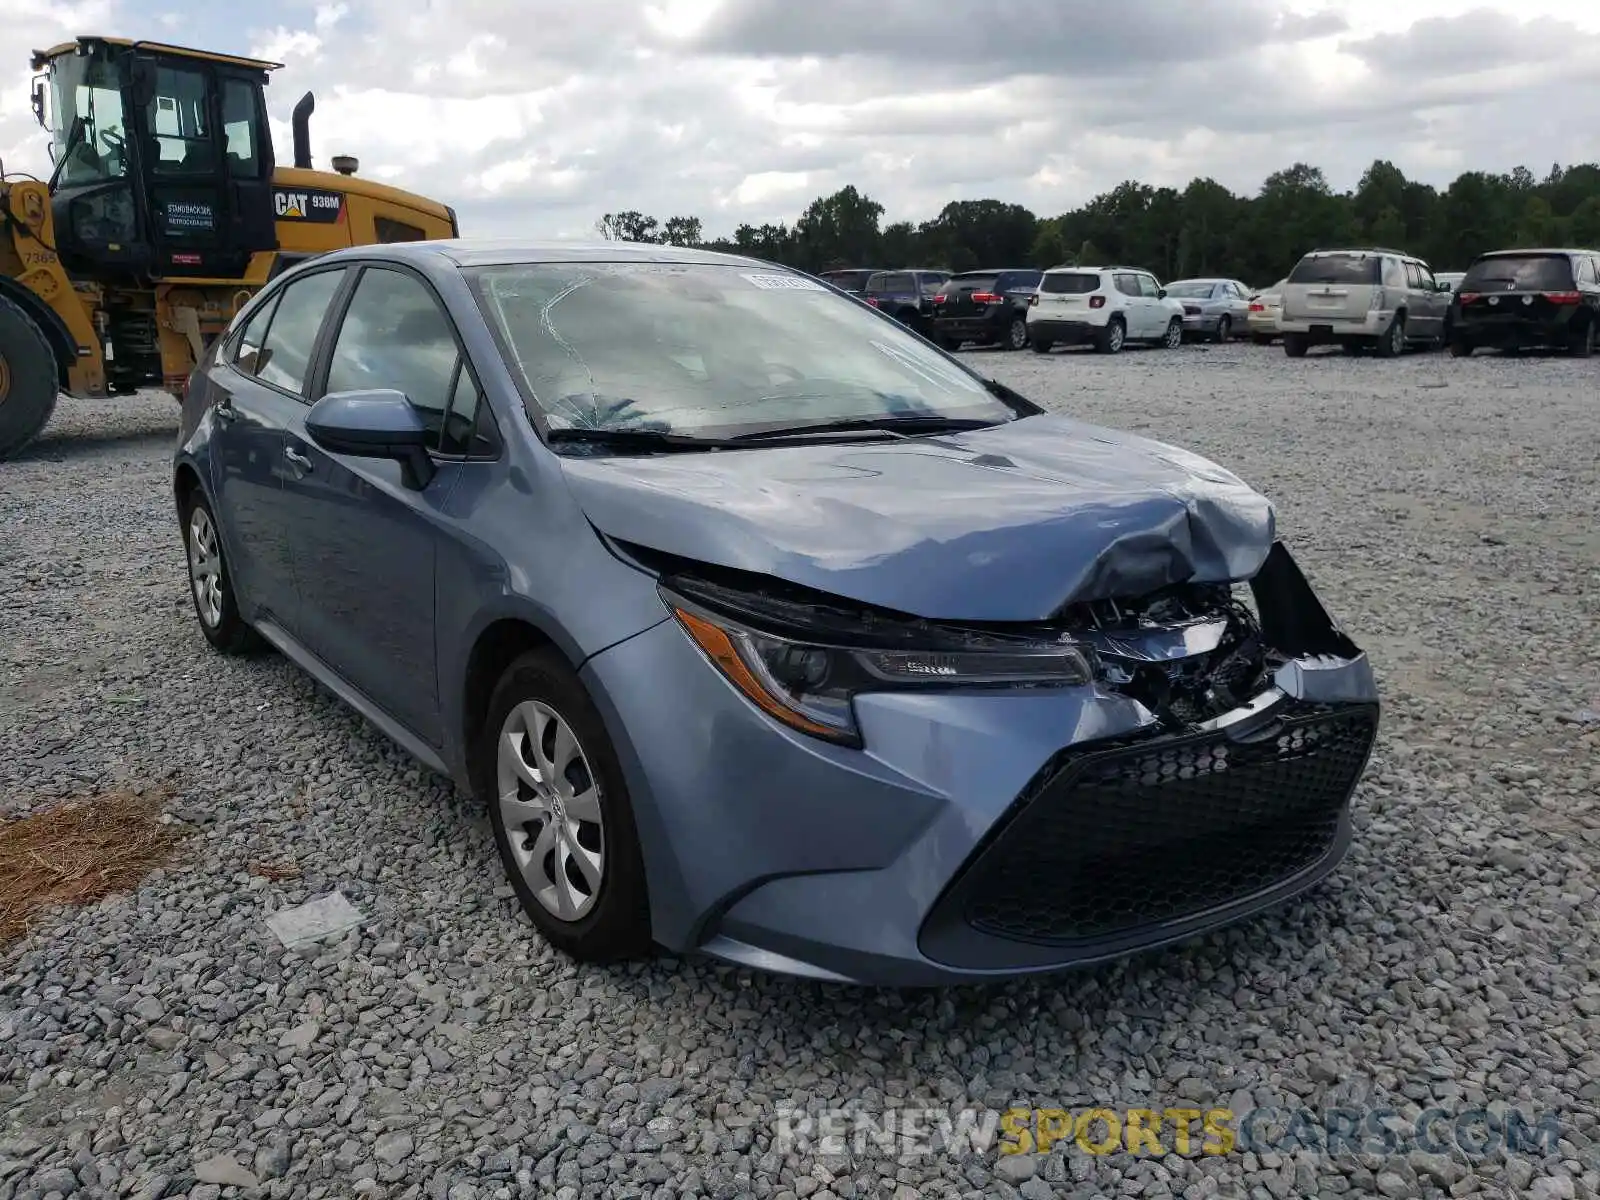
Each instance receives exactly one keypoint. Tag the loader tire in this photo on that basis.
(27, 379)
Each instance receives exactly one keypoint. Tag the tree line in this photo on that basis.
(1204, 229)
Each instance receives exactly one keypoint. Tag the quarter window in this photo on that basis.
(1394, 274)
(247, 350)
(285, 353)
(396, 335)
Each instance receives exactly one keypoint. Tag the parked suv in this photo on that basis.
(1511, 299)
(906, 296)
(988, 307)
(849, 279)
(1108, 306)
(1362, 299)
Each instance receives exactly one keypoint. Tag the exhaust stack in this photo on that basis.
(302, 131)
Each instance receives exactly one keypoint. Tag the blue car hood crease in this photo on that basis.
(1008, 523)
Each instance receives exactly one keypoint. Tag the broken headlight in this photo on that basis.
(806, 673)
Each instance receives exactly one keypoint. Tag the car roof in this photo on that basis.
(1533, 250)
(481, 252)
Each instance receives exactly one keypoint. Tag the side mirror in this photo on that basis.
(38, 104)
(377, 423)
(1161, 293)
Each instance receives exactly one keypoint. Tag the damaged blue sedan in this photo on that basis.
(761, 627)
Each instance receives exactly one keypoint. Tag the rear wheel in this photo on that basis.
(28, 379)
(1110, 340)
(1295, 345)
(1224, 329)
(1392, 342)
(560, 812)
(1017, 334)
(1583, 341)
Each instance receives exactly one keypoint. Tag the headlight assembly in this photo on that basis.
(808, 678)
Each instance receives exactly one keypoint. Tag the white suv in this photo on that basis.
(1109, 306)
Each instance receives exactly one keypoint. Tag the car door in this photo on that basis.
(1426, 303)
(259, 396)
(366, 541)
(1156, 315)
(1133, 307)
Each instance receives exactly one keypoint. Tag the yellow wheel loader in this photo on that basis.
(163, 215)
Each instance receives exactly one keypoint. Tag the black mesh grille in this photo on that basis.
(1139, 835)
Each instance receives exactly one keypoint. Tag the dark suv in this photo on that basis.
(850, 279)
(988, 307)
(907, 296)
(1519, 299)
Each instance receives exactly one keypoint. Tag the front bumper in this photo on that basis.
(978, 835)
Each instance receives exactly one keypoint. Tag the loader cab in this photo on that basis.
(163, 159)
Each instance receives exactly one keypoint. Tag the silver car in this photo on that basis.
(1265, 309)
(1212, 308)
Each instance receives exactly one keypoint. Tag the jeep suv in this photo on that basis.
(1363, 299)
(1516, 299)
(1108, 306)
(989, 307)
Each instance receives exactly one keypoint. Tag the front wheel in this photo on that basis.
(1017, 334)
(1173, 338)
(27, 379)
(210, 585)
(560, 812)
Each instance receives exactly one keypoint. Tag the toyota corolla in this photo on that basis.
(761, 627)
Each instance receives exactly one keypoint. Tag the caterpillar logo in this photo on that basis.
(321, 207)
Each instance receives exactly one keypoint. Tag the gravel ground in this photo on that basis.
(162, 1044)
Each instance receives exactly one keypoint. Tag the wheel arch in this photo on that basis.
(49, 322)
(499, 643)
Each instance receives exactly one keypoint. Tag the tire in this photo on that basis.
(1112, 337)
(1461, 348)
(1173, 338)
(1016, 334)
(1295, 345)
(603, 919)
(1583, 343)
(210, 585)
(950, 344)
(1224, 330)
(1261, 339)
(1392, 342)
(28, 379)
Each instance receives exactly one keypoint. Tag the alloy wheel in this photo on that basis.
(1174, 336)
(550, 802)
(205, 567)
(1115, 338)
(1019, 334)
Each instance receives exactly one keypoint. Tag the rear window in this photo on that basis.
(1528, 272)
(1013, 280)
(890, 283)
(1337, 268)
(1191, 291)
(969, 283)
(1075, 284)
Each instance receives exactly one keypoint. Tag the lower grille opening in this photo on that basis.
(1145, 834)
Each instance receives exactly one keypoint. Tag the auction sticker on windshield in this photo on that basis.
(785, 283)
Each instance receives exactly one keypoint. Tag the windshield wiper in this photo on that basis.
(635, 439)
(905, 425)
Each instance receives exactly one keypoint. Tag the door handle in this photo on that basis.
(299, 460)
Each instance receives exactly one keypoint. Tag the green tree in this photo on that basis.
(629, 226)
(838, 230)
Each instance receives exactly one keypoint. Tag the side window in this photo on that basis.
(1128, 285)
(1586, 270)
(238, 128)
(1148, 287)
(179, 120)
(1413, 275)
(897, 284)
(395, 335)
(285, 353)
(247, 346)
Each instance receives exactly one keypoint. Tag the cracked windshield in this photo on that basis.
(712, 350)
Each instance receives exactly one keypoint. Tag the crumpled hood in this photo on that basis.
(1002, 524)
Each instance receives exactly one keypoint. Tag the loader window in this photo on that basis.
(88, 90)
(179, 122)
(239, 124)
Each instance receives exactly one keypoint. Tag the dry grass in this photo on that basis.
(275, 872)
(80, 852)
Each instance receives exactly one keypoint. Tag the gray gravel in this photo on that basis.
(162, 1044)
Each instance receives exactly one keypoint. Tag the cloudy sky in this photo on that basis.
(535, 116)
